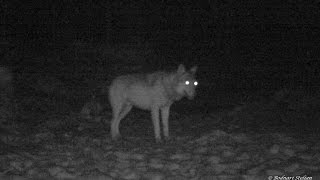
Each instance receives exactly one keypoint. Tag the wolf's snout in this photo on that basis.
(190, 95)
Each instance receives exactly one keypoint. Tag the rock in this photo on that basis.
(316, 147)
(209, 177)
(202, 141)
(274, 149)
(138, 156)
(154, 176)
(228, 153)
(140, 164)
(196, 159)
(97, 154)
(289, 152)
(317, 157)
(122, 155)
(311, 167)
(28, 163)
(176, 177)
(180, 157)
(235, 165)
(18, 165)
(60, 173)
(201, 150)
(65, 175)
(218, 133)
(274, 172)
(219, 168)
(214, 159)
(13, 178)
(32, 172)
(102, 177)
(306, 157)
(192, 172)
(113, 174)
(129, 174)
(241, 138)
(123, 164)
(156, 163)
(173, 166)
(55, 170)
(292, 168)
(301, 147)
(243, 156)
(253, 177)
(256, 170)
(226, 177)
(65, 163)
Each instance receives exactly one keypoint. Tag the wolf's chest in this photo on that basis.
(147, 97)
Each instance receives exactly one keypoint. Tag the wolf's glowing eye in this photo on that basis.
(195, 83)
(187, 82)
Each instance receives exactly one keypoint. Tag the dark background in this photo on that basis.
(238, 45)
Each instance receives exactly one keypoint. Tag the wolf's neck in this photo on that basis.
(169, 84)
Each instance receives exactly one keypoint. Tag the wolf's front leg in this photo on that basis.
(156, 123)
(165, 111)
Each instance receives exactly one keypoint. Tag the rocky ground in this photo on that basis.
(218, 144)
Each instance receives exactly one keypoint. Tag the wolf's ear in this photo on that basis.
(193, 70)
(181, 69)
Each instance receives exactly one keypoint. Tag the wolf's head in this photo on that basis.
(186, 82)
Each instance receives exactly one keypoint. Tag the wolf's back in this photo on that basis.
(138, 89)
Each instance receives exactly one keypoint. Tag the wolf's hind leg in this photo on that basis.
(156, 123)
(114, 126)
(125, 110)
(117, 117)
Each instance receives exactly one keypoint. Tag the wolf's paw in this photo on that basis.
(116, 137)
(167, 138)
(158, 140)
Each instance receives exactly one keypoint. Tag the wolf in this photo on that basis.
(154, 92)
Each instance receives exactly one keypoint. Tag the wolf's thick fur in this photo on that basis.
(155, 92)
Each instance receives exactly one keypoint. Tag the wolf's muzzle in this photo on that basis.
(190, 95)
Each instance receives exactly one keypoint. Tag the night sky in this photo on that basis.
(238, 45)
(246, 102)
